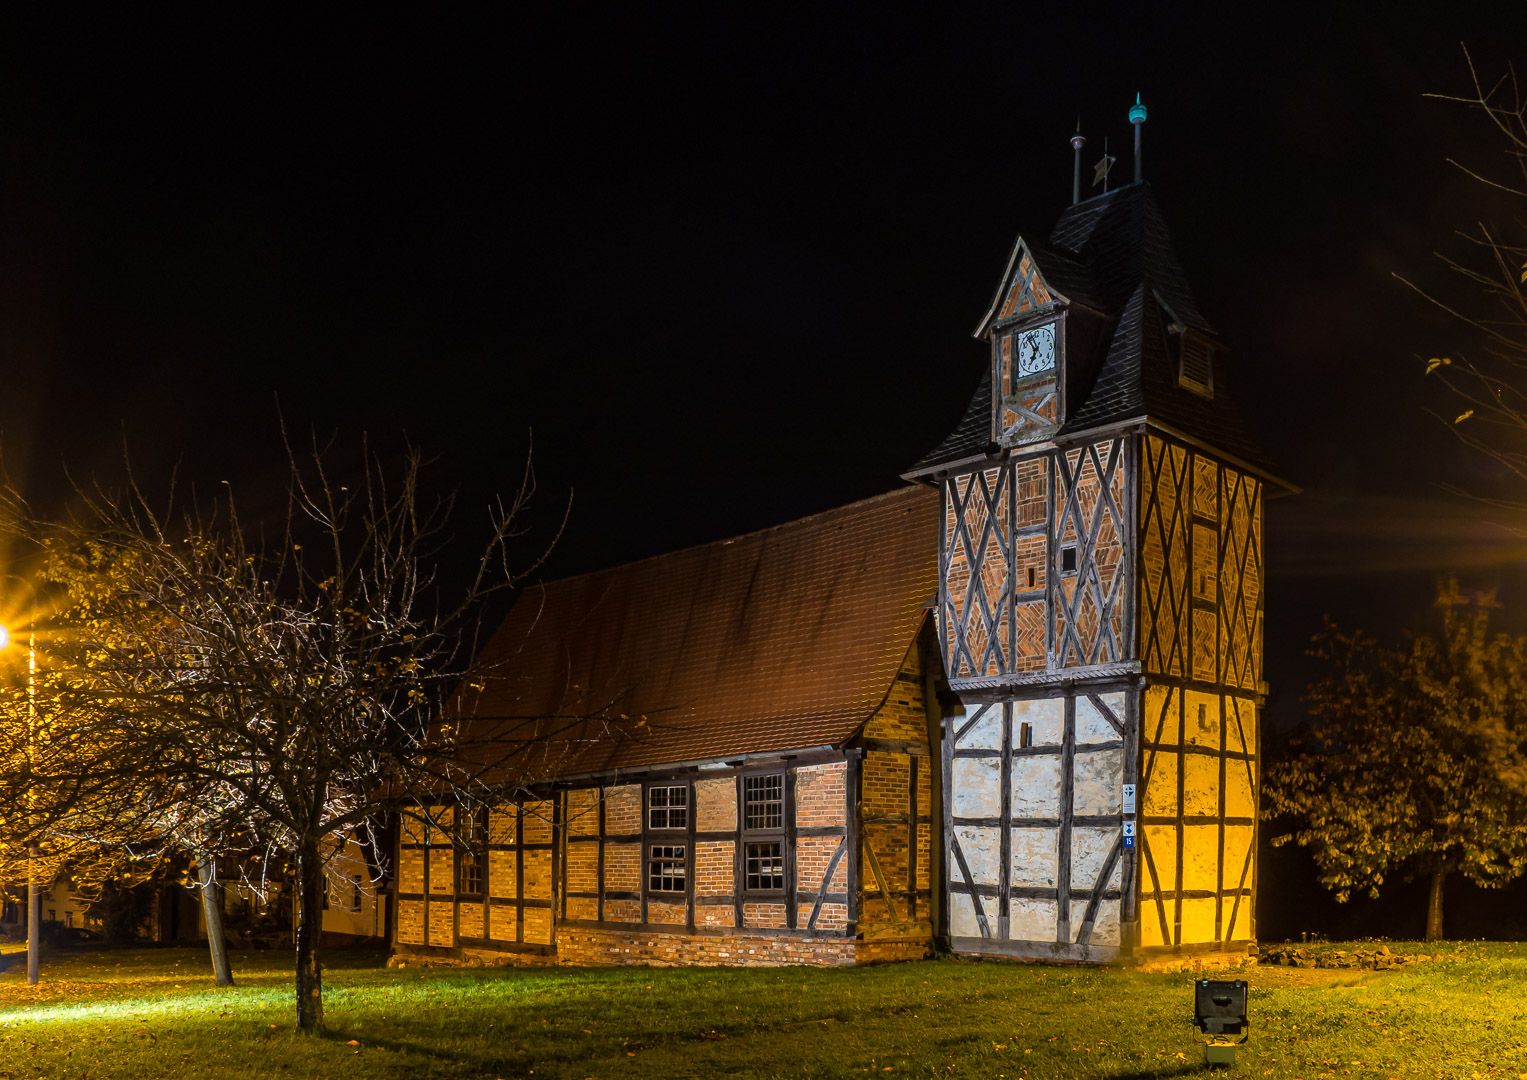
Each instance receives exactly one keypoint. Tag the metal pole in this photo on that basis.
(34, 889)
(1137, 118)
(1076, 165)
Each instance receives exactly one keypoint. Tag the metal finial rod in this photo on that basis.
(1137, 118)
(1076, 166)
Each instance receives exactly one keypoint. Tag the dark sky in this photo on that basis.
(726, 267)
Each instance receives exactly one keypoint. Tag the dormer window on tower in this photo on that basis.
(1028, 359)
(1191, 351)
(1027, 356)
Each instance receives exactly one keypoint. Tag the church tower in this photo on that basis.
(1100, 610)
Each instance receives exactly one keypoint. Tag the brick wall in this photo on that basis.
(887, 795)
(714, 867)
(411, 922)
(821, 795)
(716, 804)
(623, 810)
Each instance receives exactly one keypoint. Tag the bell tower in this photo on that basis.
(1100, 608)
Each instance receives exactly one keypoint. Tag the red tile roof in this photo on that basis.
(779, 640)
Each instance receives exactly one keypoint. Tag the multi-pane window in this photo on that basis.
(763, 800)
(665, 868)
(668, 807)
(469, 876)
(766, 865)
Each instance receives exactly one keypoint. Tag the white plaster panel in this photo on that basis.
(1036, 854)
(1036, 786)
(985, 733)
(1031, 920)
(982, 849)
(1047, 717)
(1096, 780)
(962, 915)
(977, 787)
(1091, 725)
(1105, 928)
(1089, 851)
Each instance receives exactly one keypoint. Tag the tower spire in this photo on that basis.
(1137, 118)
(1076, 166)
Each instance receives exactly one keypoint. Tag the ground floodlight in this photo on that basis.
(1219, 1009)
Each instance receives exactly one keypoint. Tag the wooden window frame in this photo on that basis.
(666, 809)
(673, 856)
(767, 834)
(472, 842)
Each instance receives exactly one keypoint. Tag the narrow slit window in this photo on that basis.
(469, 877)
(765, 866)
(1031, 577)
(1068, 560)
(665, 868)
(667, 807)
(763, 800)
(355, 892)
(1025, 736)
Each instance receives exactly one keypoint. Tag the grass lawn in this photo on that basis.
(155, 1013)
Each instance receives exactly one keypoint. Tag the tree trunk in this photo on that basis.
(1434, 904)
(309, 929)
(213, 911)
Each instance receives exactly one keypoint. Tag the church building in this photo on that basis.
(1010, 709)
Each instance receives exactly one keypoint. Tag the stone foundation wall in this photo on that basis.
(602, 947)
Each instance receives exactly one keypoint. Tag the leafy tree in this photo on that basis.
(1413, 759)
(74, 796)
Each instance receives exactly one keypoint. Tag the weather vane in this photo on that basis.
(1100, 171)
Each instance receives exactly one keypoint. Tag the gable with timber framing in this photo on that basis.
(1026, 290)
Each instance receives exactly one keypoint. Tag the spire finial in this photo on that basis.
(1137, 118)
(1076, 165)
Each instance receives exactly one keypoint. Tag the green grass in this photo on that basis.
(155, 1013)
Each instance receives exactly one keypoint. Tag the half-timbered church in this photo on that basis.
(1012, 708)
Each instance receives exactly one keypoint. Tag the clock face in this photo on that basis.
(1036, 350)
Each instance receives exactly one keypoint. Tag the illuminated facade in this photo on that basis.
(1014, 707)
(1100, 610)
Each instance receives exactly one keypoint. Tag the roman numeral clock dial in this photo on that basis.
(1036, 350)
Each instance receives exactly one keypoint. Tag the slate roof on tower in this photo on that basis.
(1112, 255)
(785, 639)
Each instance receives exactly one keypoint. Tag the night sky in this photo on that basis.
(727, 268)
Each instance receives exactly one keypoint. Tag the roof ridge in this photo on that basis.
(726, 540)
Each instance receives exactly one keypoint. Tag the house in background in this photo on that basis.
(355, 908)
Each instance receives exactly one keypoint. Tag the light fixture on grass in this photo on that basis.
(1219, 1009)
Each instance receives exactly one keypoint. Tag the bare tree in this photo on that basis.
(1487, 406)
(293, 690)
